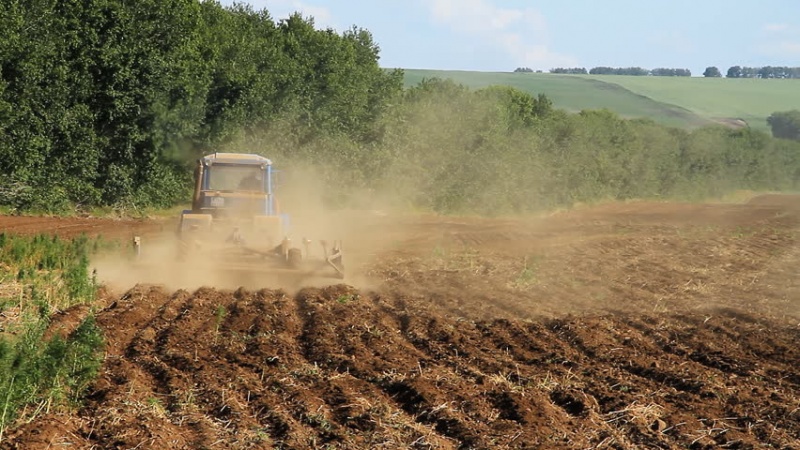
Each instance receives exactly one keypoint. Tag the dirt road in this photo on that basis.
(637, 325)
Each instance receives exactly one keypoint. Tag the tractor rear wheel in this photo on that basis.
(295, 258)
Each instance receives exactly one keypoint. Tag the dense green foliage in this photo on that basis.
(785, 124)
(106, 102)
(38, 370)
(103, 101)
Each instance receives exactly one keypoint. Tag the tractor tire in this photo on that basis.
(295, 258)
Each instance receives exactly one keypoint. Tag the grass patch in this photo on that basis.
(39, 276)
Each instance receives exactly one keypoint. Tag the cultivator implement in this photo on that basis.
(235, 253)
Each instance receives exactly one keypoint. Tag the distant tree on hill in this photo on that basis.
(570, 70)
(712, 72)
(666, 72)
(785, 125)
(734, 72)
(523, 70)
(749, 72)
(635, 71)
(764, 72)
(778, 72)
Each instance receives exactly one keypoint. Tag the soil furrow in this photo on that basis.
(637, 325)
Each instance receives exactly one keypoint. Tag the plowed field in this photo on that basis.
(637, 325)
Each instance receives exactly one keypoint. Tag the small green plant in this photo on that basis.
(155, 405)
(318, 420)
(219, 317)
(346, 298)
(527, 274)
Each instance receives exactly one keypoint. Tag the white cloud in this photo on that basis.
(482, 16)
(776, 27)
(519, 32)
(281, 9)
(323, 17)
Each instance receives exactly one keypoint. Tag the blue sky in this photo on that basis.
(500, 35)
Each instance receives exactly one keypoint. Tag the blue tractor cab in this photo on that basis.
(235, 183)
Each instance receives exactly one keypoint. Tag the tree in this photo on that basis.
(734, 72)
(785, 125)
(712, 72)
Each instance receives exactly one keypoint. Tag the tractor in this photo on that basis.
(236, 222)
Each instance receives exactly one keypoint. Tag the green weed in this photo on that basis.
(40, 275)
(47, 373)
(346, 298)
(219, 316)
(527, 274)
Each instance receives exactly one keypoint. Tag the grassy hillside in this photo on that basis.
(684, 102)
(750, 99)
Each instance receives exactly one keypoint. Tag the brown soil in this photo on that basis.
(75, 226)
(637, 325)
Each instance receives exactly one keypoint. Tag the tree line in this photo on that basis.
(525, 70)
(500, 150)
(570, 70)
(710, 72)
(763, 72)
(634, 71)
(108, 102)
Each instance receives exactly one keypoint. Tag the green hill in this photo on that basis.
(675, 101)
(752, 100)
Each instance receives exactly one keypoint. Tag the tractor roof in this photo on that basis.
(235, 158)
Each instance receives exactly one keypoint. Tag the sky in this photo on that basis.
(501, 35)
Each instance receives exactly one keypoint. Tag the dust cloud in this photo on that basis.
(301, 196)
